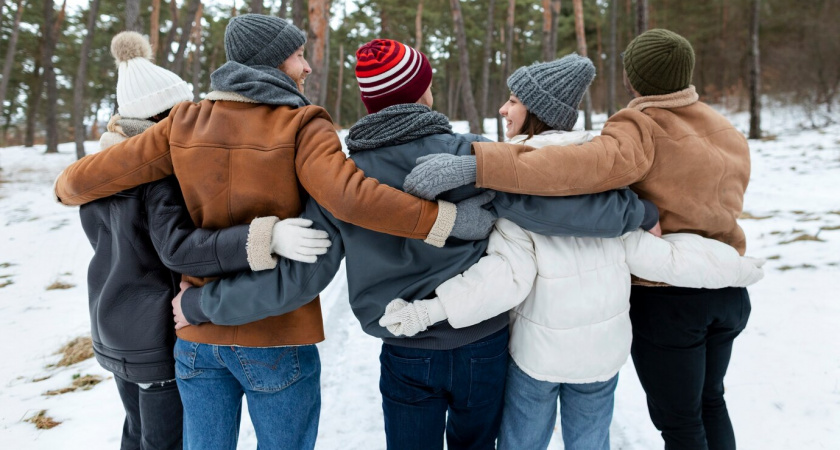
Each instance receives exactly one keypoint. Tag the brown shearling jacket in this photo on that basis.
(670, 149)
(236, 160)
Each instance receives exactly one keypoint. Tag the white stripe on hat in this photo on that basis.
(411, 57)
(416, 71)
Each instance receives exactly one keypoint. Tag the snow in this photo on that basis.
(783, 385)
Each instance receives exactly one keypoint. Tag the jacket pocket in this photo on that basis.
(269, 369)
(404, 379)
(185, 353)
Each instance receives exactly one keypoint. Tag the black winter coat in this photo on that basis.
(142, 239)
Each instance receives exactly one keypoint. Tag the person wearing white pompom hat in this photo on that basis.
(142, 239)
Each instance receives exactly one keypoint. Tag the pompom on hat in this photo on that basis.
(144, 89)
(391, 73)
(552, 90)
(659, 62)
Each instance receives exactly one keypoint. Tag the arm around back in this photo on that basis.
(620, 156)
(341, 188)
(142, 159)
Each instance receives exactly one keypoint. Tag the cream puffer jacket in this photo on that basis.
(571, 296)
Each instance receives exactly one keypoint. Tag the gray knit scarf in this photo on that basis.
(263, 84)
(394, 125)
(133, 127)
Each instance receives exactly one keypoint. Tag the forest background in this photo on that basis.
(58, 80)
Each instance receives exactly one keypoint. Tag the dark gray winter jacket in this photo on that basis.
(141, 237)
(381, 268)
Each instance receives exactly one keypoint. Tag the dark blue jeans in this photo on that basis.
(153, 415)
(419, 387)
(682, 342)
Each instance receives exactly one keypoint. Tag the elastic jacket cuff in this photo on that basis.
(259, 243)
(443, 224)
(651, 215)
(191, 306)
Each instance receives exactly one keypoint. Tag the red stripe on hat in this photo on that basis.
(378, 56)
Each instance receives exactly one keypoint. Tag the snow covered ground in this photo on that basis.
(783, 386)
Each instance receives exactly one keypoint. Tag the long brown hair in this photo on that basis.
(532, 125)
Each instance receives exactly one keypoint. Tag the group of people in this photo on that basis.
(497, 275)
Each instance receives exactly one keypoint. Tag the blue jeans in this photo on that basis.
(530, 413)
(419, 387)
(282, 385)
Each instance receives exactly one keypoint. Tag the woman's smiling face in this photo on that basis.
(514, 113)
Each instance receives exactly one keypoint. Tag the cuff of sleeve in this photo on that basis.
(651, 215)
(469, 168)
(443, 224)
(434, 307)
(259, 243)
(191, 306)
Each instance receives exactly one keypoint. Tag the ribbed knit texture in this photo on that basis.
(391, 73)
(258, 40)
(552, 90)
(659, 62)
(396, 125)
(144, 89)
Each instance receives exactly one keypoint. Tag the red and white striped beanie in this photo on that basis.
(390, 73)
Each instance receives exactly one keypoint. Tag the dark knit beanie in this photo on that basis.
(258, 40)
(552, 90)
(659, 62)
(391, 73)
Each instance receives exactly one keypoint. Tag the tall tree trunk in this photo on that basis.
(33, 100)
(79, 110)
(581, 47)
(464, 60)
(50, 39)
(547, 55)
(196, 55)
(319, 18)
(154, 28)
(186, 28)
(170, 35)
(8, 62)
(555, 16)
(613, 61)
(281, 13)
(132, 15)
(508, 40)
(256, 6)
(384, 21)
(485, 62)
(340, 85)
(298, 13)
(755, 71)
(418, 26)
(641, 16)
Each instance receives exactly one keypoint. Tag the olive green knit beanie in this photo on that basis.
(659, 62)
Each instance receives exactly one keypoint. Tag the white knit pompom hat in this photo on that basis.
(144, 89)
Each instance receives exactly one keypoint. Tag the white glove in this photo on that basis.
(404, 318)
(751, 271)
(293, 239)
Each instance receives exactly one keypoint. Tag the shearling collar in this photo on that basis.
(677, 99)
(229, 96)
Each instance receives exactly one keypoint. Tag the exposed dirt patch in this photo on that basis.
(42, 421)
(80, 383)
(77, 350)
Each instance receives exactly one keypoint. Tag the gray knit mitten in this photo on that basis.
(438, 173)
(472, 221)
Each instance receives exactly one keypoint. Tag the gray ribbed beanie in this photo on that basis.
(258, 40)
(553, 90)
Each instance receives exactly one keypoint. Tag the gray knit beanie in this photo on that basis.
(553, 90)
(258, 40)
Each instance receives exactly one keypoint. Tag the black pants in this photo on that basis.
(682, 342)
(153, 416)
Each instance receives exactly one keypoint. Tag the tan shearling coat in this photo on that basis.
(237, 160)
(670, 149)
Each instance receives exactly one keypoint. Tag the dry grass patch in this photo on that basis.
(831, 228)
(6, 282)
(747, 216)
(80, 383)
(77, 350)
(802, 237)
(57, 284)
(769, 138)
(773, 257)
(42, 421)
(801, 266)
